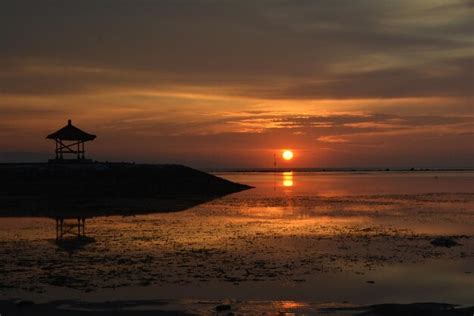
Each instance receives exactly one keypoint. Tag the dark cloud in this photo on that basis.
(338, 120)
(244, 47)
(446, 78)
(312, 126)
(350, 125)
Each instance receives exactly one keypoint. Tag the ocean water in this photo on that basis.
(296, 242)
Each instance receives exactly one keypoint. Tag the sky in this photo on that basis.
(221, 84)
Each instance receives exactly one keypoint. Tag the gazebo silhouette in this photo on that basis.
(70, 141)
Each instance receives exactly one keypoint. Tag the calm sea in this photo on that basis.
(297, 240)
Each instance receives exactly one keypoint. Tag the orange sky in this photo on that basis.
(227, 84)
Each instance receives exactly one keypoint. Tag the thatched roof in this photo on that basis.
(70, 132)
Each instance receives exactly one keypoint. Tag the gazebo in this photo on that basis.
(70, 141)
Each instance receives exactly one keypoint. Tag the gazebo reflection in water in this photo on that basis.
(70, 141)
(71, 234)
(65, 226)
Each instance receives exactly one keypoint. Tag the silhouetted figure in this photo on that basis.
(70, 140)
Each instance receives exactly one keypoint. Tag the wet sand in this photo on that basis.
(169, 307)
(318, 241)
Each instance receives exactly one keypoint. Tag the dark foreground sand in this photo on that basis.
(59, 308)
(162, 307)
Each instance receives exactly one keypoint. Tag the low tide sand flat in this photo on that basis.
(326, 242)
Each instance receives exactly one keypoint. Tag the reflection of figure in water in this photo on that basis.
(77, 232)
(73, 244)
(63, 228)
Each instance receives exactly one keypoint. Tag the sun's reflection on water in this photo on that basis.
(290, 304)
(288, 179)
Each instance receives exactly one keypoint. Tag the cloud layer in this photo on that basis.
(329, 78)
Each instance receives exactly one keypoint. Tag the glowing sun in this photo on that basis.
(287, 155)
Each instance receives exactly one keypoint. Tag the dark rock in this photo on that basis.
(223, 308)
(437, 309)
(444, 242)
(23, 303)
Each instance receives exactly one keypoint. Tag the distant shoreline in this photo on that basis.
(250, 170)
